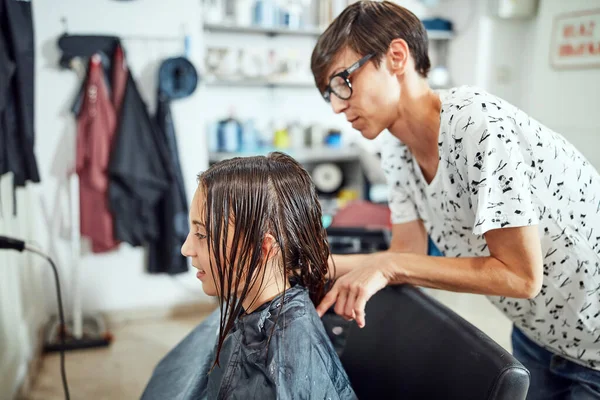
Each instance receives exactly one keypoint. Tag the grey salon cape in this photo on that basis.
(299, 362)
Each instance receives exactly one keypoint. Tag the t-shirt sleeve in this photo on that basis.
(499, 179)
(401, 204)
(393, 161)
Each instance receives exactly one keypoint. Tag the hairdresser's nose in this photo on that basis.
(187, 250)
(338, 105)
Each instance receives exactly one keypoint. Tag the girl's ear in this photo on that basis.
(269, 247)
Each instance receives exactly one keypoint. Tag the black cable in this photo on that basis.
(62, 320)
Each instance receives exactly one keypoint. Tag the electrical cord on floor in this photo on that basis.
(19, 245)
(61, 315)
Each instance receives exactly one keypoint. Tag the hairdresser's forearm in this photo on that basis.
(407, 237)
(482, 275)
(345, 263)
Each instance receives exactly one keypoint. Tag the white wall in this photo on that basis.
(463, 55)
(513, 63)
(22, 311)
(484, 52)
(565, 100)
(510, 58)
(500, 54)
(115, 280)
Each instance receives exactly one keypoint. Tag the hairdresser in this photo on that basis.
(513, 206)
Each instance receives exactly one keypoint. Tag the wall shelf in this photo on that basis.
(227, 28)
(439, 35)
(303, 156)
(312, 32)
(269, 83)
(263, 83)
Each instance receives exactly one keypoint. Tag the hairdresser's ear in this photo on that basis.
(397, 56)
(269, 247)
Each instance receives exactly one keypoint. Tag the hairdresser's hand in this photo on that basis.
(351, 292)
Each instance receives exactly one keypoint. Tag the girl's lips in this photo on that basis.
(200, 274)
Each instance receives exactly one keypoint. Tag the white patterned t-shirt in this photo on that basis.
(500, 168)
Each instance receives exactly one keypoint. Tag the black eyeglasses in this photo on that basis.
(340, 85)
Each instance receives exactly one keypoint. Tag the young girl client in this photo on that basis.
(258, 243)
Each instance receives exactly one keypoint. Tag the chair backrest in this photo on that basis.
(413, 347)
(349, 240)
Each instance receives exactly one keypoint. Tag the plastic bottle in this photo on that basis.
(294, 16)
(230, 134)
(212, 133)
(249, 137)
(296, 133)
(282, 137)
(264, 13)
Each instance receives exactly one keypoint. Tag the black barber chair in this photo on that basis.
(357, 240)
(413, 347)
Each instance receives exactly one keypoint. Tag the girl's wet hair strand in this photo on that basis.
(257, 196)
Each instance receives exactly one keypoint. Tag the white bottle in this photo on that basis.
(265, 13)
(231, 135)
(214, 11)
(212, 133)
(296, 133)
(294, 16)
(243, 12)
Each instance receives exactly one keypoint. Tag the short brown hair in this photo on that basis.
(369, 27)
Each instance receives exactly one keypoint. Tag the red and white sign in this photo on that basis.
(576, 40)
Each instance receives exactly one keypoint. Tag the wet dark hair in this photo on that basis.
(256, 196)
(368, 27)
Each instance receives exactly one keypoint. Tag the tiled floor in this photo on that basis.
(122, 370)
(118, 372)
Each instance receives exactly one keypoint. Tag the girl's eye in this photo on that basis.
(200, 236)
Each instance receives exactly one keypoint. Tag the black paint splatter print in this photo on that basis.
(500, 168)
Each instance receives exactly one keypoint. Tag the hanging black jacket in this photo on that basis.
(140, 171)
(172, 211)
(17, 92)
(7, 70)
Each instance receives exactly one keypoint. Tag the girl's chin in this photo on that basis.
(209, 290)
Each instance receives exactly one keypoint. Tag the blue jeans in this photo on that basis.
(432, 249)
(553, 377)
